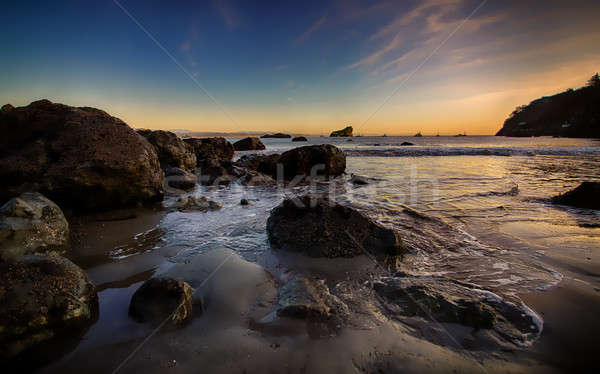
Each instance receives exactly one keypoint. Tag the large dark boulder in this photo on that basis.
(161, 298)
(586, 195)
(42, 296)
(347, 131)
(266, 164)
(80, 158)
(171, 150)
(31, 223)
(319, 227)
(248, 144)
(328, 160)
(211, 149)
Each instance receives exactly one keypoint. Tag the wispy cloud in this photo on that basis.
(311, 30)
(230, 16)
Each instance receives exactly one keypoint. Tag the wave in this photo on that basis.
(472, 151)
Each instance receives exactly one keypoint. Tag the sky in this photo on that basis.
(394, 67)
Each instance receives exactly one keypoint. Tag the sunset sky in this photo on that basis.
(302, 67)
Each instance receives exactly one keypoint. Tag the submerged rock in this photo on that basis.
(359, 180)
(586, 195)
(171, 150)
(248, 144)
(161, 298)
(180, 179)
(80, 158)
(299, 139)
(305, 298)
(347, 131)
(327, 160)
(42, 296)
(319, 227)
(443, 300)
(31, 223)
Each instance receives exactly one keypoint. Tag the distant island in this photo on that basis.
(344, 132)
(276, 136)
(573, 113)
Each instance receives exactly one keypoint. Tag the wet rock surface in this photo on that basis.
(319, 227)
(162, 298)
(180, 179)
(248, 144)
(195, 203)
(586, 195)
(327, 161)
(302, 297)
(81, 158)
(171, 150)
(42, 296)
(32, 223)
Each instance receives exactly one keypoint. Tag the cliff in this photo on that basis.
(344, 132)
(573, 113)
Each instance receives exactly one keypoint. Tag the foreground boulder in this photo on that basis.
(347, 131)
(327, 160)
(443, 300)
(161, 298)
(31, 223)
(586, 195)
(180, 179)
(171, 150)
(80, 158)
(248, 144)
(319, 227)
(42, 296)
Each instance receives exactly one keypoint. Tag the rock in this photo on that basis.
(161, 298)
(180, 179)
(266, 164)
(328, 160)
(209, 150)
(31, 223)
(359, 180)
(299, 139)
(80, 158)
(42, 296)
(319, 227)
(406, 143)
(445, 301)
(304, 298)
(196, 203)
(252, 178)
(6, 108)
(586, 195)
(171, 150)
(244, 202)
(347, 131)
(276, 136)
(248, 144)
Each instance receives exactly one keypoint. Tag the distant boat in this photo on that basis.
(418, 135)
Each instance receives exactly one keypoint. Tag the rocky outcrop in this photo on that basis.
(573, 113)
(443, 300)
(306, 298)
(248, 144)
(276, 136)
(180, 179)
(347, 131)
(31, 223)
(586, 195)
(171, 150)
(299, 139)
(42, 296)
(80, 158)
(161, 298)
(213, 157)
(319, 227)
(327, 161)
